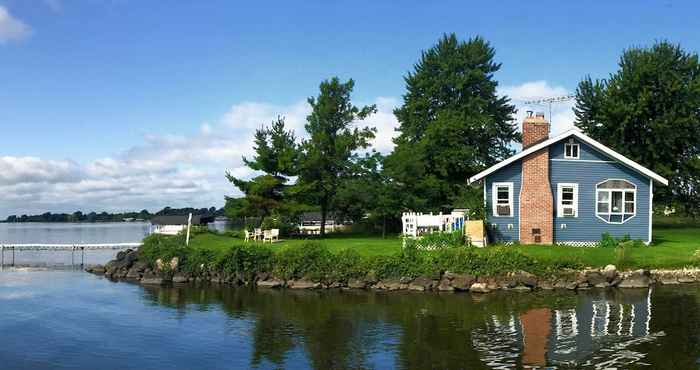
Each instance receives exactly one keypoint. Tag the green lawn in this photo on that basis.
(673, 247)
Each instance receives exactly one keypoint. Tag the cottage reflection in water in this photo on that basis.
(603, 325)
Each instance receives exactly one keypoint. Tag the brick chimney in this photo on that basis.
(536, 200)
(535, 129)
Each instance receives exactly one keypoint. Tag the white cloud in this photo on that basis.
(12, 29)
(165, 170)
(562, 117)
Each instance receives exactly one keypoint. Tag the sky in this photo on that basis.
(124, 104)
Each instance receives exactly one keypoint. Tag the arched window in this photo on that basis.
(616, 201)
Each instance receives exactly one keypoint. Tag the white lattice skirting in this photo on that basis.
(578, 243)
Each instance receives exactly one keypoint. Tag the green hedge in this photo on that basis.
(312, 260)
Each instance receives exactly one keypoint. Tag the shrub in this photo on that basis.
(199, 261)
(346, 265)
(438, 240)
(165, 247)
(309, 260)
(246, 260)
(607, 241)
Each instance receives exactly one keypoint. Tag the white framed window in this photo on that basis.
(502, 199)
(616, 201)
(567, 200)
(571, 150)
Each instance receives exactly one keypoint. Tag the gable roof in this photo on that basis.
(583, 137)
(181, 220)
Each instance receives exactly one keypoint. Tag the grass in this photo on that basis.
(673, 247)
(365, 245)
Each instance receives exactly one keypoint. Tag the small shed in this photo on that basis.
(173, 224)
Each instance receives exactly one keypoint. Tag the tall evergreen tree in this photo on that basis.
(649, 110)
(328, 153)
(276, 155)
(452, 124)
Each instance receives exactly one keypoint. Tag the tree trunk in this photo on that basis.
(324, 212)
(384, 227)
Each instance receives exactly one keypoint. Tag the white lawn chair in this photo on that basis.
(267, 235)
(247, 236)
(274, 235)
(257, 233)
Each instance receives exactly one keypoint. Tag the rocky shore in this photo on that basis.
(127, 266)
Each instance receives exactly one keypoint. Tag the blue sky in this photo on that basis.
(105, 92)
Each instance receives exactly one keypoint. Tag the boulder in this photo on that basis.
(99, 269)
(152, 279)
(371, 278)
(610, 272)
(479, 288)
(390, 284)
(462, 281)
(303, 284)
(272, 283)
(445, 286)
(596, 279)
(524, 278)
(421, 283)
(134, 273)
(545, 285)
(522, 288)
(180, 278)
(357, 284)
(636, 279)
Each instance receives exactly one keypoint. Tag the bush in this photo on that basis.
(310, 260)
(246, 260)
(165, 247)
(438, 240)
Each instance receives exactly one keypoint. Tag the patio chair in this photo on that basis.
(247, 236)
(274, 235)
(257, 234)
(267, 235)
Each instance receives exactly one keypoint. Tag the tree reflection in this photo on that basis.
(350, 329)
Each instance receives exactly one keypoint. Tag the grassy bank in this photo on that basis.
(346, 257)
(674, 247)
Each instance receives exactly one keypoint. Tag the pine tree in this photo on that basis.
(453, 124)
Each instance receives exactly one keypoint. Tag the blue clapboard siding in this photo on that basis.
(511, 173)
(588, 227)
(590, 169)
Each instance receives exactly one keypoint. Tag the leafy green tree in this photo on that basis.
(367, 194)
(276, 156)
(453, 124)
(649, 111)
(328, 153)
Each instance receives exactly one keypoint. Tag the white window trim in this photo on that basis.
(560, 206)
(610, 212)
(572, 145)
(494, 197)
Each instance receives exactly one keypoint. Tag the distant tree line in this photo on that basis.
(144, 214)
(453, 124)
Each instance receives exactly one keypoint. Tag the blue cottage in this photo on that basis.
(568, 189)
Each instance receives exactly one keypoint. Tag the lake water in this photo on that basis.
(73, 320)
(73, 233)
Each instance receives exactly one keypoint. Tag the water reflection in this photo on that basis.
(597, 332)
(345, 329)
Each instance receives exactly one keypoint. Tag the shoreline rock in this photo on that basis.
(127, 266)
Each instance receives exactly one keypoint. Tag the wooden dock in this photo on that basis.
(81, 248)
(67, 247)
